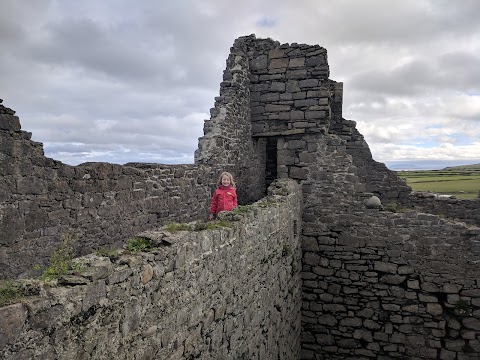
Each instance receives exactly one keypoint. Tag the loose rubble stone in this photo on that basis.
(373, 203)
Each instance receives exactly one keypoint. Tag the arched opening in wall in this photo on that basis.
(271, 160)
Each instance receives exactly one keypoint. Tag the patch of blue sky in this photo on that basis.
(266, 22)
(460, 139)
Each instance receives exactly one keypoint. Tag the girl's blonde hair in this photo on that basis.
(225, 173)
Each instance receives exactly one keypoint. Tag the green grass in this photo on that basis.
(198, 226)
(139, 244)
(173, 227)
(10, 292)
(242, 209)
(212, 225)
(112, 254)
(463, 184)
(61, 259)
(474, 167)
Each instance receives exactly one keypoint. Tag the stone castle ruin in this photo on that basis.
(307, 271)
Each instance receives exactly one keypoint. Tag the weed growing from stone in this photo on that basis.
(222, 223)
(198, 226)
(211, 225)
(395, 208)
(78, 266)
(286, 250)
(61, 259)
(266, 204)
(10, 291)
(138, 244)
(281, 192)
(172, 227)
(242, 209)
(112, 254)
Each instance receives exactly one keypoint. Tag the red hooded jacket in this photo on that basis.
(224, 199)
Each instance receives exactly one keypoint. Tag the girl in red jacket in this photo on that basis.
(225, 197)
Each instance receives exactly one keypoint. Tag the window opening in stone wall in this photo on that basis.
(271, 160)
(295, 228)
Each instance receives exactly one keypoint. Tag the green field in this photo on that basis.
(460, 181)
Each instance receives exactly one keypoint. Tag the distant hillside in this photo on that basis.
(473, 167)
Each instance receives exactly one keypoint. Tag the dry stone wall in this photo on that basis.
(377, 178)
(102, 204)
(233, 293)
(386, 285)
(461, 210)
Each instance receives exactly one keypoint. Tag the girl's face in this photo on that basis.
(225, 180)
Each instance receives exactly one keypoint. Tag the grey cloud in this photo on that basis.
(398, 22)
(455, 71)
(85, 44)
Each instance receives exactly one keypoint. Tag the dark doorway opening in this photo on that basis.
(271, 160)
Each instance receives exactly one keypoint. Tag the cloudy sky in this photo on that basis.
(121, 81)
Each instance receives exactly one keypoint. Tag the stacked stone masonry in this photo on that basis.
(233, 293)
(374, 284)
(103, 204)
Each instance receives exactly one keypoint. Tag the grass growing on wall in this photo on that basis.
(112, 254)
(198, 226)
(138, 244)
(62, 260)
(10, 291)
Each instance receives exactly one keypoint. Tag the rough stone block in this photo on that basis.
(292, 86)
(315, 114)
(316, 61)
(297, 115)
(308, 83)
(94, 293)
(385, 267)
(327, 319)
(270, 97)
(296, 62)
(471, 323)
(298, 173)
(454, 344)
(285, 160)
(278, 63)
(259, 63)
(296, 74)
(305, 103)
(307, 157)
(277, 86)
(275, 108)
(9, 122)
(434, 309)
(392, 279)
(299, 95)
(276, 53)
(12, 319)
(295, 144)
